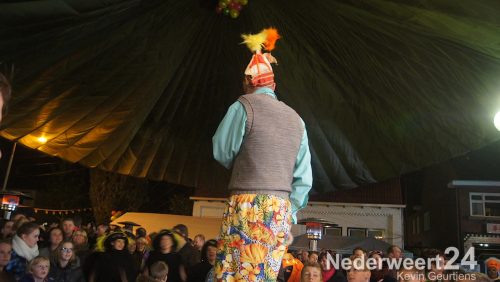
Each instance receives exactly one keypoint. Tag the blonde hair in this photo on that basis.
(144, 241)
(159, 270)
(36, 261)
(311, 265)
(199, 236)
(82, 233)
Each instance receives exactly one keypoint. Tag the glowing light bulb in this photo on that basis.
(496, 120)
(42, 140)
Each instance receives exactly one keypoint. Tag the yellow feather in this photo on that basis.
(255, 42)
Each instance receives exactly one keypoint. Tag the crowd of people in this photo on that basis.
(68, 252)
(376, 266)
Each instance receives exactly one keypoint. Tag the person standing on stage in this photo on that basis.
(265, 142)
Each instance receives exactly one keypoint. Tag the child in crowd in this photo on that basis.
(38, 270)
(158, 273)
(311, 273)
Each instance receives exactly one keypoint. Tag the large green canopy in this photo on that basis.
(138, 87)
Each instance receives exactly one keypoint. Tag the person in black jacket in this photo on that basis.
(116, 264)
(5, 250)
(190, 255)
(164, 249)
(198, 273)
(65, 265)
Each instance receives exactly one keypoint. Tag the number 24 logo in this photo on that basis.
(468, 259)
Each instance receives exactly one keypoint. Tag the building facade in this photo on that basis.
(371, 211)
(459, 213)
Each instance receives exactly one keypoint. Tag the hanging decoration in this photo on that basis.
(230, 8)
(61, 212)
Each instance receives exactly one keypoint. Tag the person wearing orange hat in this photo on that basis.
(492, 268)
(265, 142)
(291, 267)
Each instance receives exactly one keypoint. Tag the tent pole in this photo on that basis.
(7, 174)
(313, 245)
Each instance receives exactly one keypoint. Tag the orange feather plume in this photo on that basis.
(271, 37)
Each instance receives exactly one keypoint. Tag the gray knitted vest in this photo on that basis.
(266, 160)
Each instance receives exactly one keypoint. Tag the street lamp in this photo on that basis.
(10, 201)
(314, 230)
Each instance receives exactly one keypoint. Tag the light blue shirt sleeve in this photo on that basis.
(229, 135)
(302, 178)
(227, 142)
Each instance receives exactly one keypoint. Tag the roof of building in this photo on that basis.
(387, 192)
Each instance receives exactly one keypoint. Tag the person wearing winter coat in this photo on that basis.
(164, 249)
(199, 272)
(65, 265)
(55, 238)
(5, 251)
(38, 270)
(116, 264)
(25, 249)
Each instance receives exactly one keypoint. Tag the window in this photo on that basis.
(356, 232)
(492, 209)
(484, 204)
(335, 231)
(376, 233)
(477, 209)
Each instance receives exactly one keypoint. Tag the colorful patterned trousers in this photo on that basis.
(253, 238)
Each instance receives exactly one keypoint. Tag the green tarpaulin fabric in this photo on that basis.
(139, 87)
